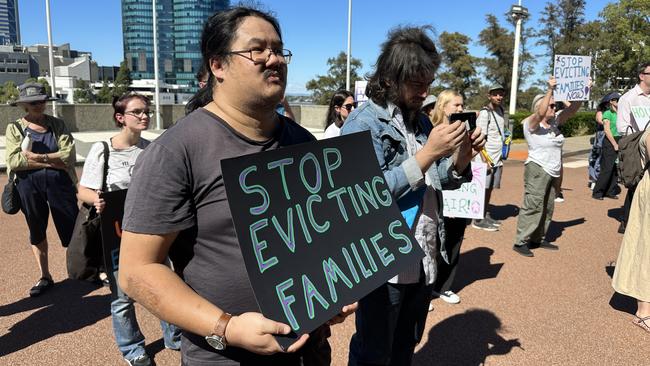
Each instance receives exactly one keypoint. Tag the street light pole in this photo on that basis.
(518, 13)
(155, 66)
(347, 77)
(50, 54)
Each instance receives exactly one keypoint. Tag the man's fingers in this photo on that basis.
(298, 344)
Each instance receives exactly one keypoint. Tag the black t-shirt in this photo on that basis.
(177, 186)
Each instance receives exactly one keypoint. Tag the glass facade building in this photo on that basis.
(9, 23)
(180, 23)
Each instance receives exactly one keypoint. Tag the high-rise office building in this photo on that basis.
(9, 23)
(180, 23)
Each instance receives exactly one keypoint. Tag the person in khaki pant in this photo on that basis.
(543, 168)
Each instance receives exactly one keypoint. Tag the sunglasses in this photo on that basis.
(37, 103)
(348, 107)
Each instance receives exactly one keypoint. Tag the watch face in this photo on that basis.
(216, 342)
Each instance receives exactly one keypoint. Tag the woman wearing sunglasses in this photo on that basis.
(341, 104)
(40, 151)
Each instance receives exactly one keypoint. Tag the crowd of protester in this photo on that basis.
(240, 109)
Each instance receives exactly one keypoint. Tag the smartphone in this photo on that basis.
(468, 117)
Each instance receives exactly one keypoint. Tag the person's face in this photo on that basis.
(496, 97)
(34, 108)
(413, 93)
(455, 105)
(136, 115)
(550, 110)
(613, 103)
(345, 109)
(644, 77)
(246, 80)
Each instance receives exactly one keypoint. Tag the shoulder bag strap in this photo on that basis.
(19, 127)
(105, 172)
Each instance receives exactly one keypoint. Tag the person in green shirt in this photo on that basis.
(606, 185)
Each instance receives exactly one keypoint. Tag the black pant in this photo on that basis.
(607, 185)
(628, 203)
(455, 228)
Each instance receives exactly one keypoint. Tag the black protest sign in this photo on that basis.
(317, 227)
(111, 219)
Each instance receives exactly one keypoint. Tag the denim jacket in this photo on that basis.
(401, 171)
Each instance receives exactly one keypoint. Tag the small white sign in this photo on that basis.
(641, 115)
(572, 75)
(360, 92)
(468, 200)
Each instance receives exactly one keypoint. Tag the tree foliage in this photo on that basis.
(83, 92)
(459, 71)
(324, 86)
(122, 80)
(105, 94)
(562, 31)
(8, 92)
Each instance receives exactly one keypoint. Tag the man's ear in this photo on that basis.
(217, 67)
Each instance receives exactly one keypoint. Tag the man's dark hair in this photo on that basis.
(643, 67)
(407, 54)
(337, 101)
(218, 35)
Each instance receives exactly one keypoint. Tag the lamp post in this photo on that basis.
(50, 55)
(518, 13)
(155, 66)
(347, 75)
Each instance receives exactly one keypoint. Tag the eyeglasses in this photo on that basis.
(39, 102)
(348, 107)
(552, 106)
(139, 113)
(263, 55)
(645, 73)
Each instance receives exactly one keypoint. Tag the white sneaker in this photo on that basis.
(449, 297)
(430, 306)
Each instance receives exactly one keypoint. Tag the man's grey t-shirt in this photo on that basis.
(177, 186)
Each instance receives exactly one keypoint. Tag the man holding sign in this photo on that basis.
(177, 203)
(415, 159)
(633, 116)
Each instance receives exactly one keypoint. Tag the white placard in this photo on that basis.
(360, 92)
(572, 75)
(468, 200)
(641, 115)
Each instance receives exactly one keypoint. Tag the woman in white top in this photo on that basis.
(132, 115)
(341, 104)
(543, 168)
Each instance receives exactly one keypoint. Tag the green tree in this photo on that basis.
(122, 80)
(324, 86)
(459, 71)
(620, 42)
(562, 29)
(8, 92)
(83, 92)
(499, 43)
(105, 94)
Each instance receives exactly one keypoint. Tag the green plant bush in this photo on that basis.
(582, 123)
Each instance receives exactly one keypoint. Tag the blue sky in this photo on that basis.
(312, 30)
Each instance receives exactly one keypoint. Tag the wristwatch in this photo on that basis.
(218, 338)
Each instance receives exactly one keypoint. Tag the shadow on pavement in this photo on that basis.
(62, 309)
(475, 265)
(615, 213)
(503, 212)
(153, 348)
(557, 227)
(465, 339)
(623, 303)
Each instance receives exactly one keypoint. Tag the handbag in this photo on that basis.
(10, 195)
(506, 136)
(84, 256)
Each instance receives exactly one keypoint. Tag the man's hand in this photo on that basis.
(345, 312)
(445, 138)
(99, 203)
(254, 332)
(478, 138)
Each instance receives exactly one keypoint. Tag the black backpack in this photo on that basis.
(630, 169)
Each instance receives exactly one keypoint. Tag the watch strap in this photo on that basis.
(222, 323)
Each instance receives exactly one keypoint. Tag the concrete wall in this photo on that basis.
(99, 117)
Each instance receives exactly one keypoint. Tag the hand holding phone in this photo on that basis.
(469, 118)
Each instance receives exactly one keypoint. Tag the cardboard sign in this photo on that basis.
(111, 224)
(467, 201)
(317, 227)
(572, 74)
(641, 115)
(360, 92)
